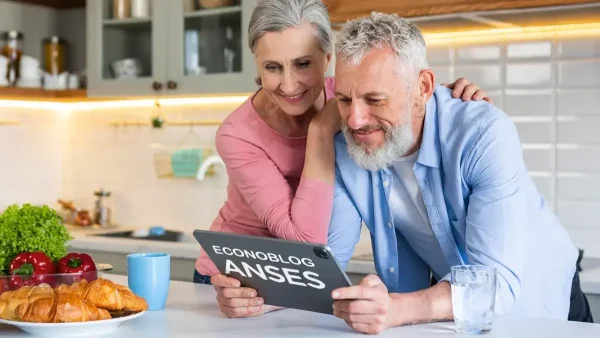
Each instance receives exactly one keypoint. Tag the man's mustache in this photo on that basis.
(369, 128)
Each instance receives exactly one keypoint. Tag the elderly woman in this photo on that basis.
(278, 145)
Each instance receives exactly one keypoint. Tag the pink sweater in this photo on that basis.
(267, 195)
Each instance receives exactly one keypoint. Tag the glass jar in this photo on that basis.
(12, 49)
(54, 53)
(121, 9)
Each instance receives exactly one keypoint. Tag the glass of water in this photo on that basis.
(473, 298)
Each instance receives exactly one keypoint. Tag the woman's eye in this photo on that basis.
(303, 64)
(272, 68)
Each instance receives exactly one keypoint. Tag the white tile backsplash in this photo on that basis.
(578, 187)
(529, 50)
(487, 76)
(535, 75)
(578, 102)
(535, 132)
(582, 129)
(551, 90)
(521, 102)
(579, 73)
(470, 54)
(579, 49)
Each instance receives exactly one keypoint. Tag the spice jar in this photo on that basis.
(54, 53)
(121, 9)
(12, 49)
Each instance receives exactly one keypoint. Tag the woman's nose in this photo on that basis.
(289, 83)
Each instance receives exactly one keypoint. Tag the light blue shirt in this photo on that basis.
(409, 215)
(482, 205)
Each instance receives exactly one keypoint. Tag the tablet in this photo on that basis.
(284, 273)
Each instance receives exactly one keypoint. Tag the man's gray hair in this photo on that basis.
(378, 30)
(277, 15)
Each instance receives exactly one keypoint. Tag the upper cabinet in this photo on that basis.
(174, 47)
(343, 10)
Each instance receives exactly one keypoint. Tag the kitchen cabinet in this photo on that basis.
(342, 10)
(172, 51)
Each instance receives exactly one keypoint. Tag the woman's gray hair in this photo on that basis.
(360, 36)
(277, 15)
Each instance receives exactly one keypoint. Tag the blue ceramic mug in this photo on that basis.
(148, 276)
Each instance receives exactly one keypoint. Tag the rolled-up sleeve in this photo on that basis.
(497, 215)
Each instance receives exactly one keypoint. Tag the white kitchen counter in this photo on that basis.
(191, 311)
(189, 249)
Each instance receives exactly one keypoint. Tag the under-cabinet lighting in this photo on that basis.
(513, 34)
(124, 103)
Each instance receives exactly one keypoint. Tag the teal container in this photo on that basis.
(185, 162)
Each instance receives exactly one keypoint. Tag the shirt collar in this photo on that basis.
(429, 153)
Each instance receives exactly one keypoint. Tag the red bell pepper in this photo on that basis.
(78, 263)
(31, 268)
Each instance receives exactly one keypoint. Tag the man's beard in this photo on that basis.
(398, 141)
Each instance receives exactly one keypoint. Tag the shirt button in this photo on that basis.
(390, 225)
(386, 183)
(392, 270)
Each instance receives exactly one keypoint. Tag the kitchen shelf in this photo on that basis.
(38, 94)
(214, 12)
(130, 22)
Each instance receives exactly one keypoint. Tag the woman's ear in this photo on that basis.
(327, 60)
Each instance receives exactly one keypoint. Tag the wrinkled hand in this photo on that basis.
(366, 307)
(467, 91)
(329, 117)
(236, 301)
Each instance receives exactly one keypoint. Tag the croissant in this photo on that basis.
(105, 294)
(61, 308)
(10, 300)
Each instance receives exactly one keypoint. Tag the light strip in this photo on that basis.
(513, 34)
(125, 103)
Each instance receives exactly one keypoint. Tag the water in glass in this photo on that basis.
(473, 298)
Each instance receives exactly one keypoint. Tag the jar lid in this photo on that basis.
(12, 35)
(55, 39)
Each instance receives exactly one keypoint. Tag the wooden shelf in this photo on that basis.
(35, 94)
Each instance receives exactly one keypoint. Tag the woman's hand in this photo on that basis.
(328, 119)
(236, 301)
(467, 91)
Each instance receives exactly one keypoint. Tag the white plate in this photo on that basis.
(81, 329)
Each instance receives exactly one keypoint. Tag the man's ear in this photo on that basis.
(426, 84)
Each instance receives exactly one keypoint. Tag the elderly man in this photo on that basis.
(438, 182)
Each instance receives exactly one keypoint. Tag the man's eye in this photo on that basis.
(303, 64)
(272, 68)
(374, 101)
(345, 101)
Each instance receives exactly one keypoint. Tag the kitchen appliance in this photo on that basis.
(12, 49)
(102, 213)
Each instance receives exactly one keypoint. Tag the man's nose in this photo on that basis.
(358, 117)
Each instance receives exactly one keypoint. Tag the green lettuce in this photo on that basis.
(31, 228)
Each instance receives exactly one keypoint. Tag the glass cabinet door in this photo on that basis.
(208, 51)
(128, 58)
